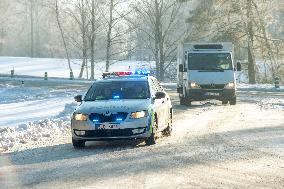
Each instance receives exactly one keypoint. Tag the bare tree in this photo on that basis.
(158, 19)
(62, 35)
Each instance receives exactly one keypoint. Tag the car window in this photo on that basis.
(118, 90)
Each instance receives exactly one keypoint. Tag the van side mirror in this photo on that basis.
(239, 66)
(180, 68)
(160, 95)
(78, 98)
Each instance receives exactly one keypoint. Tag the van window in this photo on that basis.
(210, 61)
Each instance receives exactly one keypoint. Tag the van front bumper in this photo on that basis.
(204, 94)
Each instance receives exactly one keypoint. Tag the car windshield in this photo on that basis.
(118, 90)
(210, 61)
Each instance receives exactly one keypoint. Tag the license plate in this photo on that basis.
(212, 94)
(108, 126)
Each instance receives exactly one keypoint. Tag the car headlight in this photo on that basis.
(138, 115)
(230, 85)
(194, 85)
(80, 117)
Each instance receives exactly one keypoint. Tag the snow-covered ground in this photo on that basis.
(36, 111)
(212, 146)
(31, 114)
(59, 67)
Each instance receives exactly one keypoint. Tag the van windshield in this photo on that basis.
(118, 90)
(209, 61)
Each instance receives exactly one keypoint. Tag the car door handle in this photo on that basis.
(163, 102)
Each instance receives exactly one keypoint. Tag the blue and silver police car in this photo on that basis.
(122, 106)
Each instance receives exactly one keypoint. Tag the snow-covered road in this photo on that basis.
(212, 146)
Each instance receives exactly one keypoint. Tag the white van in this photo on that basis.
(206, 71)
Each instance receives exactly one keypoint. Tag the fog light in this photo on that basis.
(80, 133)
(138, 131)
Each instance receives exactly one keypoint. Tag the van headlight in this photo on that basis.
(230, 85)
(194, 85)
(80, 117)
(138, 115)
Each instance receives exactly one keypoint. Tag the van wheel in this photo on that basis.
(78, 143)
(152, 139)
(188, 102)
(233, 101)
(182, 101)
(224, 101)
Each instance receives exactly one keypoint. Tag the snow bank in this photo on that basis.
(45, 131)
(260, 87)
(265, 95)
(32, 132)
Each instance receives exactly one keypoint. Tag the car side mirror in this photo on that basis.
(239, 66)
(78, 98)
(160, 95)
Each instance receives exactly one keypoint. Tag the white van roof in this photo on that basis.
(222, 46)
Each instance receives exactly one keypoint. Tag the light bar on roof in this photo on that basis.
(138, 72)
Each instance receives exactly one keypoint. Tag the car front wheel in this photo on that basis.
(168, 130)
(233, 101)
(78, 143)
(152, 139)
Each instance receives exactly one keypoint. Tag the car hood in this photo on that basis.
(113, 106)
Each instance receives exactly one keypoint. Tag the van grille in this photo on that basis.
(213, 86)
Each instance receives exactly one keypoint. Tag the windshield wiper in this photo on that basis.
(212, 69)
(89, 100)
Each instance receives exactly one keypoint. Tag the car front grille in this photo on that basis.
(213, 86)
(113, 133)
(112, 118)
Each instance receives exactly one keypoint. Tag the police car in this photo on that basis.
(122, 106)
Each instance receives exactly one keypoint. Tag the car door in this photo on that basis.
(166, 106)
(163, 108)
(157, 103)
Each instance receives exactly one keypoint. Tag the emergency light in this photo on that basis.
(138, 72)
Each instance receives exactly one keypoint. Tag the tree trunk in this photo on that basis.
(251, 58)
(84, 40)
(157, 40)
(93, 42)
(109, 36)
(32, 27)
(62, 35)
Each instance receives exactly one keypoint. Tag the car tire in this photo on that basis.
(168, 130)
(152, 139)
(224, 101)
(233, 101)
(77, 144)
